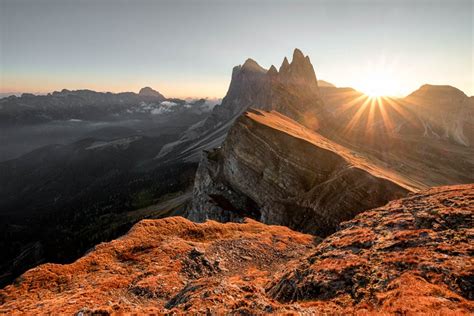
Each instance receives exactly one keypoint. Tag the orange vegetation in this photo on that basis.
(413, 255)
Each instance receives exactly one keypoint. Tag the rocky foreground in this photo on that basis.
(412, 255)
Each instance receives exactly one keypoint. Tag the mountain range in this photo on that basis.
(282, 148)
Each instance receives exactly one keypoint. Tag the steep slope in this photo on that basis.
(410, 256)
(279, 172)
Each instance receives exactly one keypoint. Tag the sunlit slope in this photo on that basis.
(428, 136)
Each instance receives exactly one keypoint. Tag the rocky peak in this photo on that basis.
(300, 72)
(292, 91)
(149, 92)
(297, 55)
(284, 65)
(272, 71)
(252, 65)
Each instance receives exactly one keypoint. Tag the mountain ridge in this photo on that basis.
(275, 170)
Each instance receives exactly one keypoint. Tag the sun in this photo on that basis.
(379, 80)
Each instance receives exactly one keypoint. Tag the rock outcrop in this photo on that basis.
(275, 170)
(411, 256)
(163, 265)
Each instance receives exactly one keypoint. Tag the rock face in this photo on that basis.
(273, 169)
(408, 256)
(411, 256)
(292, 91)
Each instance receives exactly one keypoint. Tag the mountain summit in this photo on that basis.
(300, 72)
(149, 92)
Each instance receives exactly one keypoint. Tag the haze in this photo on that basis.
(187, 48)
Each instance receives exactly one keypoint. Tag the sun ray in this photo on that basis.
(353, 102)
(356, 116)
(386, 119)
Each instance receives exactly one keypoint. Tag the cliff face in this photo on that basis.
(410, 256)
(275, 170)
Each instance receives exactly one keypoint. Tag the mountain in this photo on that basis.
(30, 122)
(421, 134)
(90, 105)
(304, 156)
(149, 92)
(292, 90)
(410, 256)
(275, 170)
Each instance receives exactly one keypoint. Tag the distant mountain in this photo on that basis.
(90, 105)
(420, 134)
(149, 92)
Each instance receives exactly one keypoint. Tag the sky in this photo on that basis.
(188, 48)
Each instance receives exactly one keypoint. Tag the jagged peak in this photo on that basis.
(284, 64)
(297, 55)
(272, 71)
(252, 65)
